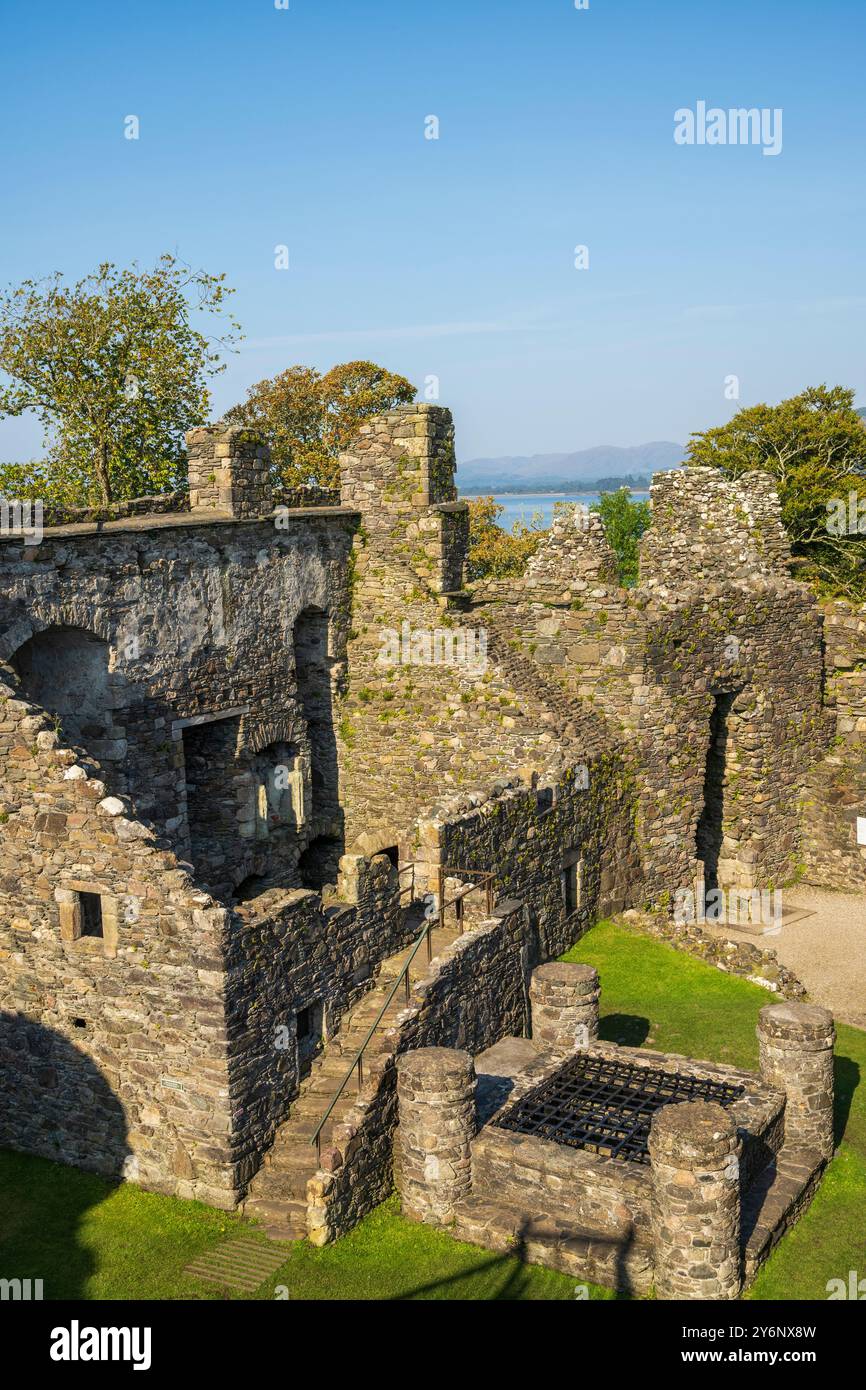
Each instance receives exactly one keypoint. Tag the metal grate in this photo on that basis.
(606, 1106)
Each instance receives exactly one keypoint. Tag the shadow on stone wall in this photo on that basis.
(54, 1103)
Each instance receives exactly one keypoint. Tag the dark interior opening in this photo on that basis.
(210, 760)
(708, 837)
(91, 914)
(313, 676)
(320, 862)
(308, 1030)
(65, 669)
(393, 854)
(571, 887)
(249, 888)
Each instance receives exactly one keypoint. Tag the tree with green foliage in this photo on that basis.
(308, 419)
(624, 523)
(493, 552)
(814, 446)
(116, 372)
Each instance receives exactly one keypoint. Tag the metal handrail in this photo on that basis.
(358, 1060)
(425, 934)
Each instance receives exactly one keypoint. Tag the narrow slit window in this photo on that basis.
(572, 886)
(91, 914)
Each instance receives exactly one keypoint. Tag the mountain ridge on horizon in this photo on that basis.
(582, 466)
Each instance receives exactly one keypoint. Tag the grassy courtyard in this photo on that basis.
(87, 1239)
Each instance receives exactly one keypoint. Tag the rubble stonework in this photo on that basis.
(201, 743)
(564, 999)
(696, 1182)
(436, 1100)
(796, 1056)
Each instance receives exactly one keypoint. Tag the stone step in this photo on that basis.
(774, 1202)
(585, 1254)
(282, 1219)
(281, 1181)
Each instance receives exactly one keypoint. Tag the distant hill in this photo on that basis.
(556, 472)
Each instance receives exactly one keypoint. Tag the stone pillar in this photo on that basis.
(796, 1056)
(694, 1153)
(398, 472)
(564, 1002)
(229, 471)
(436, 1125)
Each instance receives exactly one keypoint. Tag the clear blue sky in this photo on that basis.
(454, 258)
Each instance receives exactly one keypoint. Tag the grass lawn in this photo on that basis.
(86, 1238)
(655, 995)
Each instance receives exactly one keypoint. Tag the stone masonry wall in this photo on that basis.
(112, 1050)
(288, 952)
(475, 994)
(715, 616)
(834, 794)
(197, 622)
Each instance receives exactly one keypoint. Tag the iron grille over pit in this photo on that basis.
(606, 1106)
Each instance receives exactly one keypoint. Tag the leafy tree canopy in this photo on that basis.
(814, 445)
(624, 523)
(115, 371)
(494, 553)
(308, 418)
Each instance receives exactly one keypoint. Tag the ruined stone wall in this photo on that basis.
(531, 837)
(198, 622)
(834, 794)
(475, 994)
(422, 720)
(708, 528)
(715, 619)
(113, 1049)
(286, 952)
(399, 474)
(759, 645)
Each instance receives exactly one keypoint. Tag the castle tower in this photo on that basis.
(398, 473)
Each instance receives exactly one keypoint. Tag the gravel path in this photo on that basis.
(827, 950)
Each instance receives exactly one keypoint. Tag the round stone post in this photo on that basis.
(436, 1125)
(796, 1055)
(564, 1001)
(694, 1153)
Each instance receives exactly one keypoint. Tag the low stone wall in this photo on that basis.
(159, 505)
(733, 957)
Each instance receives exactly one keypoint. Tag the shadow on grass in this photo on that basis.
(55, 1104)
(514, 1266)
(847, 1078)
(629, 1030)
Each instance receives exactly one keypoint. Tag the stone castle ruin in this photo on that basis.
(226, 819)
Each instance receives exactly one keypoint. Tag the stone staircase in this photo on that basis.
(278, 1192)
(570, 720)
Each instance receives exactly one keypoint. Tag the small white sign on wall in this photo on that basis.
(861, 830)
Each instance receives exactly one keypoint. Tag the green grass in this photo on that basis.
(655, 996)
(86, 1238)
(89, 1239)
